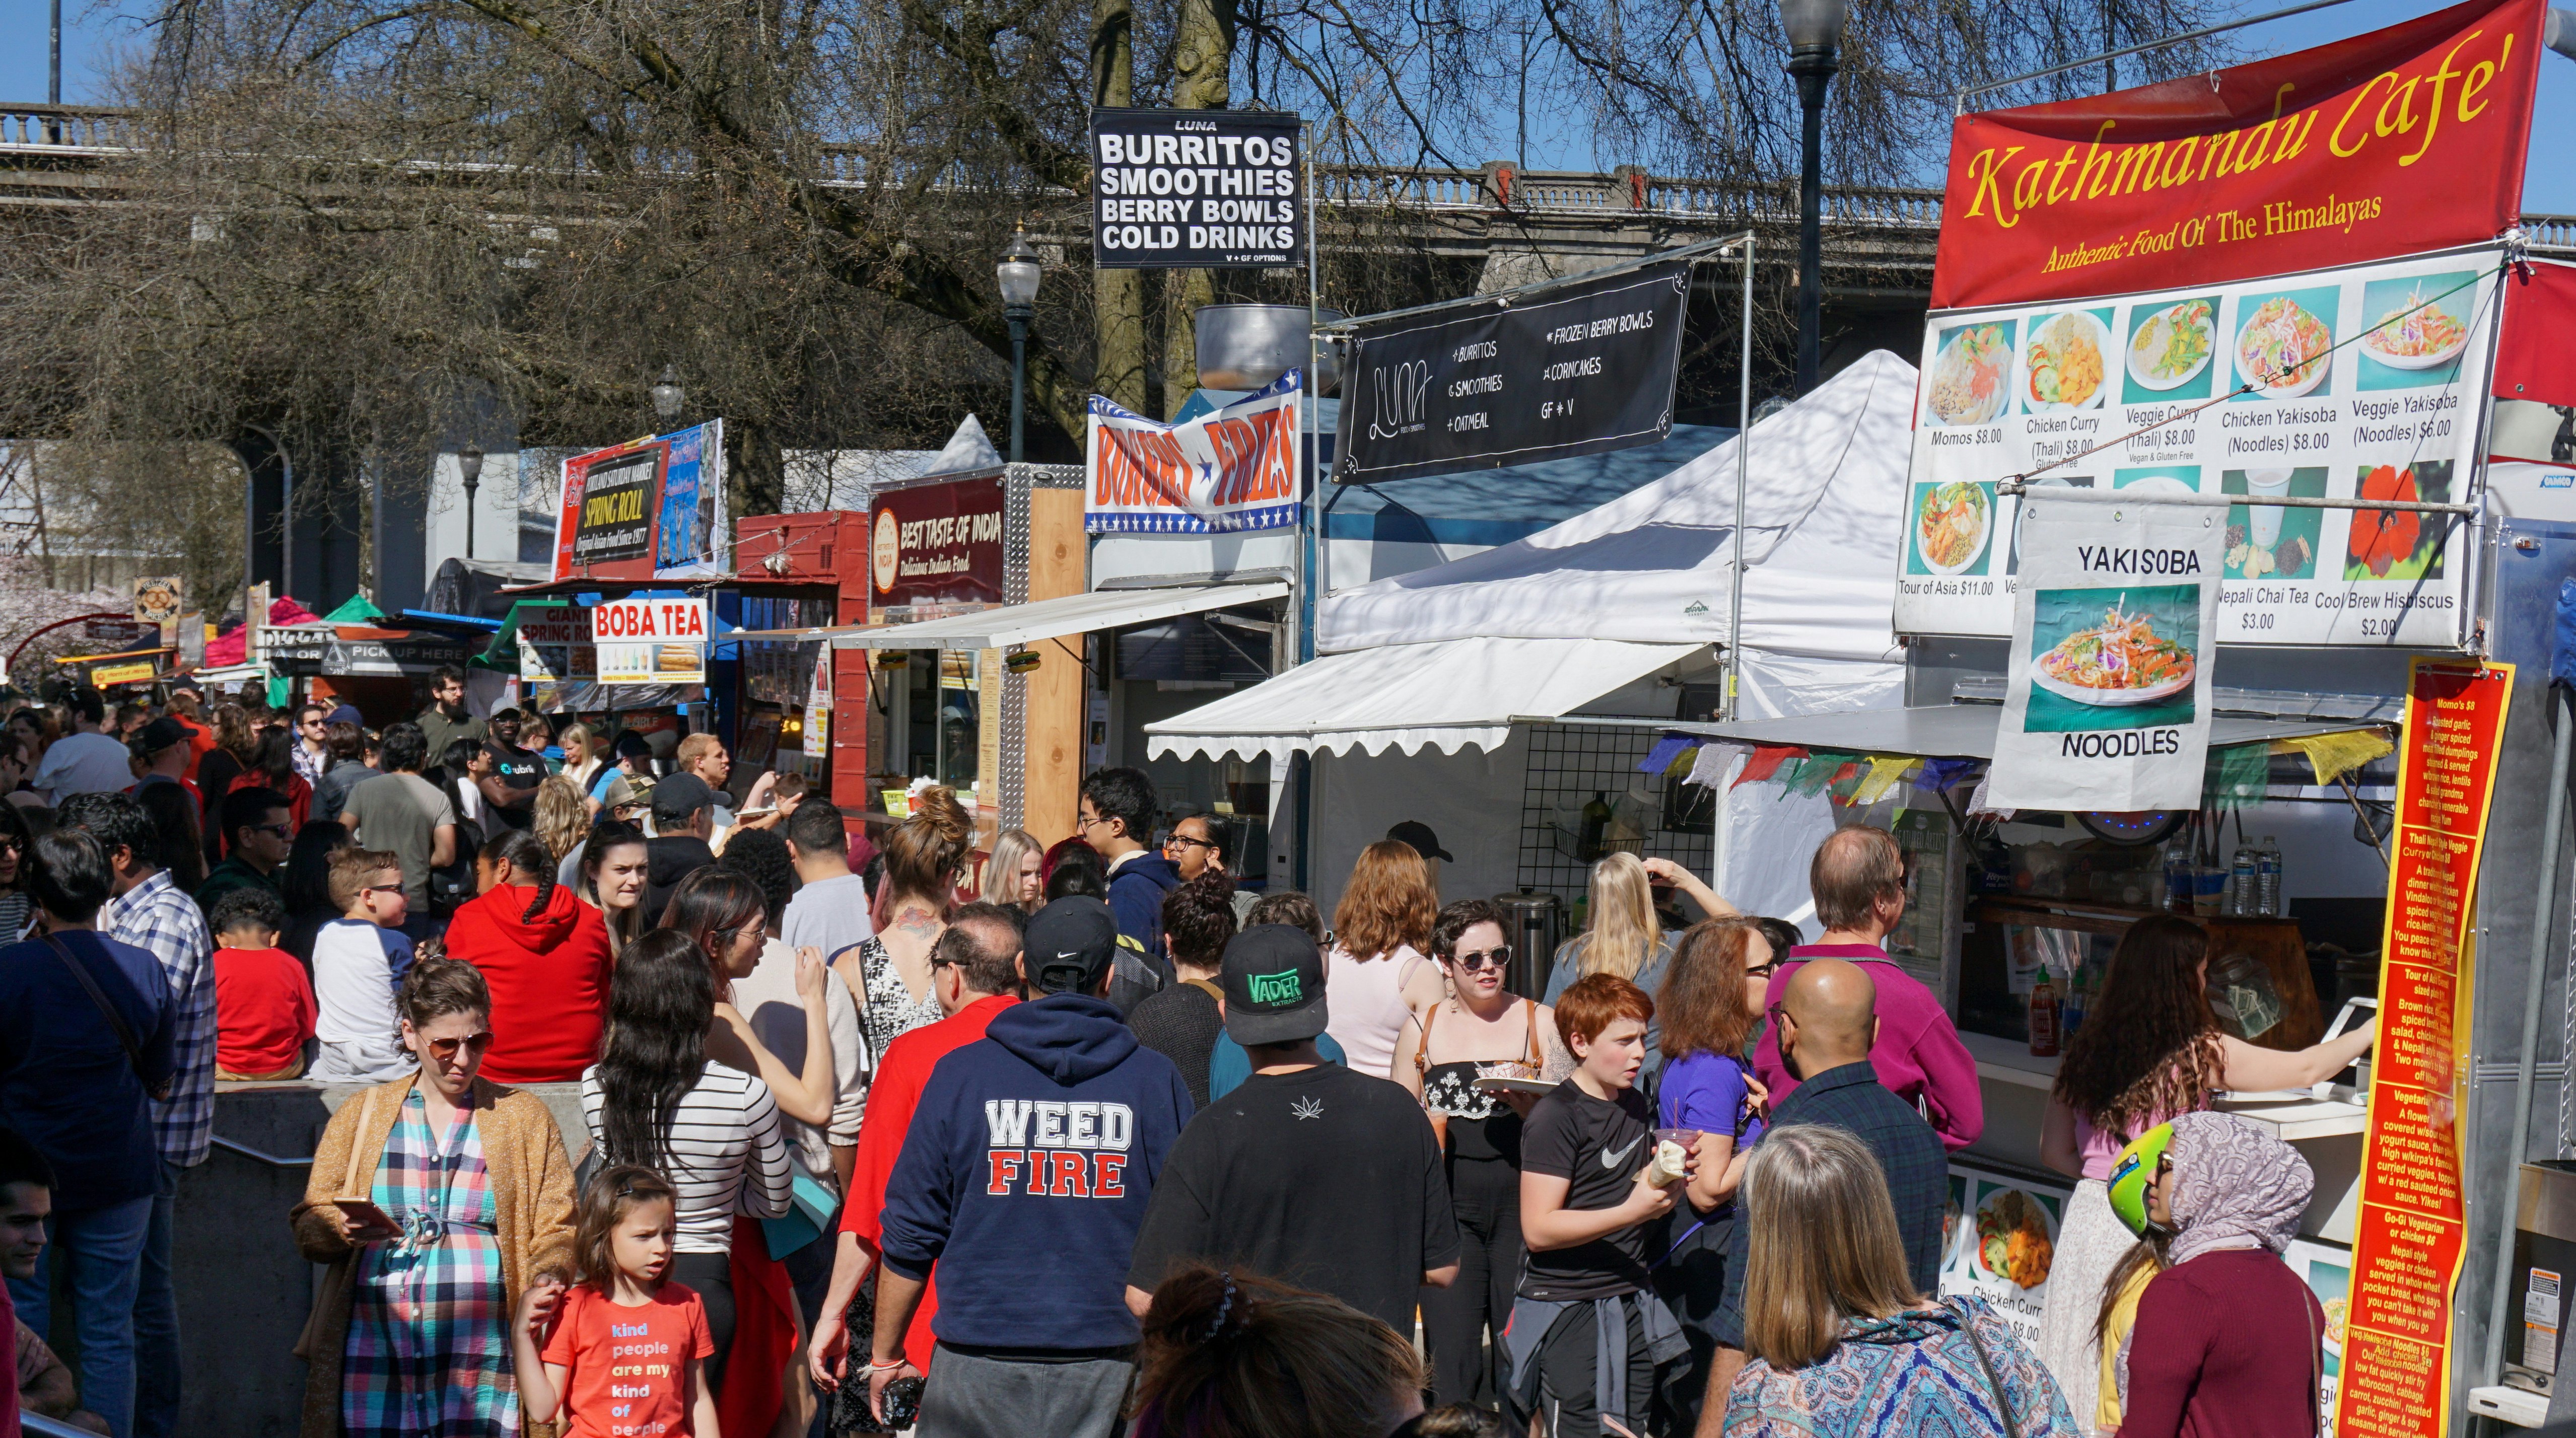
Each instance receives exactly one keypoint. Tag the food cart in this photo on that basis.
(2230, 557)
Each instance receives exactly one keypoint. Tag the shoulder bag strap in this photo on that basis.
(115, 1021)
(1536, 1062)
(1422, 1050)
(2003, 1405)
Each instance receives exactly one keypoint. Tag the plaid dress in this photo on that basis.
(429, 1333)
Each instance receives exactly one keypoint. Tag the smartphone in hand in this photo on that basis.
(368, 1218)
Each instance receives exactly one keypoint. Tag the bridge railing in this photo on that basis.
(67, 128)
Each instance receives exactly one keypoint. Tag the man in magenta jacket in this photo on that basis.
(1858, 879)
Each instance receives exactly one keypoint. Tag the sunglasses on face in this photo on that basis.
(1476, 960)
(445, 1049)
(283, 831)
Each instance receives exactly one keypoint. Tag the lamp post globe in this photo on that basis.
(667, 394)
(1815, 30)
(469, 469)
(1018, 272)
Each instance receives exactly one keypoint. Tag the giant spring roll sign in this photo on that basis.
(2407, 1244)
(2106, 702)
(2396, 142)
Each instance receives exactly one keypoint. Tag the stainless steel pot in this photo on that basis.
(1248, 346)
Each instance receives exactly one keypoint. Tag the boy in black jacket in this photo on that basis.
(1024, 1177)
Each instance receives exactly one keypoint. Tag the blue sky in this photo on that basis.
(91, 31)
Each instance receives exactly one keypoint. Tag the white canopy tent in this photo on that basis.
(1548, 626)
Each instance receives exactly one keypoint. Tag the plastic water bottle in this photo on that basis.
(2242, 883)
(2267, 876)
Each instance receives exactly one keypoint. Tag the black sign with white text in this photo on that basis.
(1582, 369)
(1196, 189)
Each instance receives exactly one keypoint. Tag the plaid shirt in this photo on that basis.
(1911, 1154)
(1918, 1167)
(155, 916)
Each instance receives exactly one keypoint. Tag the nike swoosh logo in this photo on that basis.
(1613, 1157)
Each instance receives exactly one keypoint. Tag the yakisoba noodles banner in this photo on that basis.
(1231, 469)
(2392, 143)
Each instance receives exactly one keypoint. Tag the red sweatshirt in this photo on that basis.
(549, 978)
(891, 1100)
(1918, 1054)
(2225, 1347)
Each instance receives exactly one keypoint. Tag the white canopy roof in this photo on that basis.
(1824, 491)
(1406, 696)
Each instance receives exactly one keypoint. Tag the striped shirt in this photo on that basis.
(726, 1154)
(156, 917)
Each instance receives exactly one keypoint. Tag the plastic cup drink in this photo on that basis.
(2263, 521)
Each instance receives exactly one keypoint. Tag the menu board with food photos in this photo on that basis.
(2368, 381)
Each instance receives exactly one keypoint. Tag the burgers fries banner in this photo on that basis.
(1196, 189)
(1231, 469)
(2396, 142)
(2106, 700)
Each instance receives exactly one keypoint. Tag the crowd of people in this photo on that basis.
(1079, 1141)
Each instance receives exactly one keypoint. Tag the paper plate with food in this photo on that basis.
(2013, 1240)
(1951, 524)
(2118, 662)
(2062, 365)
(1971, 375)
(2416, 335)
(2173, 345)
(2283, 349)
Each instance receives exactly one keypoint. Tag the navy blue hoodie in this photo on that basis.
(1025, 1174)
(1136, 898)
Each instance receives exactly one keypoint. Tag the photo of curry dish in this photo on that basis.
(2012, 1238)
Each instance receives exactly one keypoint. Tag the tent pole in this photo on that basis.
(1743, 461)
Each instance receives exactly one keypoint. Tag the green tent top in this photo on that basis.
(356, 610)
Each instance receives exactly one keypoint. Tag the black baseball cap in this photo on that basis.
(1274, 986)
(1070, 945)
(160, 734)
(679, 796)
(1418, 835)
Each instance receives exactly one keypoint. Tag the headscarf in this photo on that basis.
(2235, 1186)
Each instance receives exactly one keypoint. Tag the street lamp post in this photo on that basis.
(469, 467)
(1019, 273)
(667, 394)
(1815, 28)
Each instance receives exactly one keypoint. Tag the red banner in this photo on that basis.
(2407, 1242)
(2396, 142)
(938, 543)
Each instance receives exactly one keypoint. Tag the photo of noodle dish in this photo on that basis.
(2063, 364)
(2416, 335)
(1951, 523)
(1971, 375)
(2283, 350)
(2120, 661)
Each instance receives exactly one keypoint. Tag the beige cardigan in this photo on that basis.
(531, 1195)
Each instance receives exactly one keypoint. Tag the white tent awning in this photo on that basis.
(1448, 696)
(1006, 625)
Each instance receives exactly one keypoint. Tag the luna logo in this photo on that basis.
(1399, 399)
(1278, 988)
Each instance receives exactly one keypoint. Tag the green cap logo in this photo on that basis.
(1278, 988)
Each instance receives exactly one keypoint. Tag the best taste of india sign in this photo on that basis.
(2399, 141)
(2407, 1243)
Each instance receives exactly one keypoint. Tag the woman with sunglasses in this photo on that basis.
(1478, 1030)
(1710, 1002)
(442, 1196)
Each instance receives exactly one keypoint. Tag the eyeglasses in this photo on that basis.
(1760, 971)
(1184, 841)
(1474, 961)
(1087, 823)
(445, 1049)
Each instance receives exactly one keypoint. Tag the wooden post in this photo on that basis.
(1052, 764)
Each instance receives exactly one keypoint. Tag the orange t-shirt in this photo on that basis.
(629, 1366)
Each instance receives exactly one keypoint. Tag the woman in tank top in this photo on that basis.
(1376, 975)
(1480, 1030)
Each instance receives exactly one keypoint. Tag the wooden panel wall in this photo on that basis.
(1057, 688)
